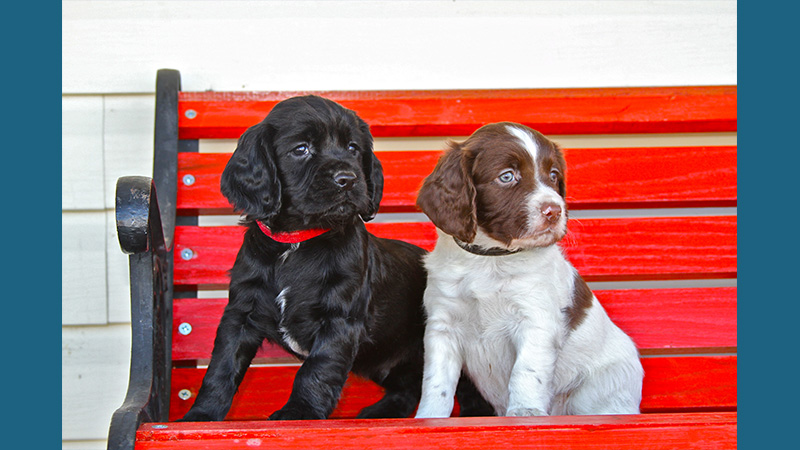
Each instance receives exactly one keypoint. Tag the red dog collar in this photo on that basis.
(292, 237)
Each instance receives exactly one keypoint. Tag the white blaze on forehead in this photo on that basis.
(526, 139)
(540, 195)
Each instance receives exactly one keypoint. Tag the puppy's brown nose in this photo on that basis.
(345, 180)
(551, 212)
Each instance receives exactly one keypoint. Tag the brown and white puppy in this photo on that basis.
(502, 301)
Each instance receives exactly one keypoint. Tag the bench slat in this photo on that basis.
(653, 248)
(460, 112)
(652, 177)
(659, 321)
(597, 178)
(601, 249)
(646, 432)
(662, 321)
(649, 431)
(671, 384)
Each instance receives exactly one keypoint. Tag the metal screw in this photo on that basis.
(188, 180)
(185, 328)
(190, 114)
(160, 427)
(187, 254)
(185, 394)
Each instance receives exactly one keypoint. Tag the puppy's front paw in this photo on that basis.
(292, 412)
(197, 416)
(524, 412)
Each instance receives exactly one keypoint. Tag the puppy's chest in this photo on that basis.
(298, 315)
(310, 296)
(499, 302)
(293, 325)
(498, 314)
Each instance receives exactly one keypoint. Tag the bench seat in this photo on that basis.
(653, 228)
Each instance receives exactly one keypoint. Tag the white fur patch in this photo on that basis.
(287, 338)
(527, 141)
(288, 252)
(281, 300)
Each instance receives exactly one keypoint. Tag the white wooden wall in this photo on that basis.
(111, 51)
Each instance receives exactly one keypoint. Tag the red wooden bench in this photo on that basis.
(687, 335)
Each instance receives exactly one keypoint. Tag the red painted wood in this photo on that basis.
(658, 320)
(653, 248)
(403, 174)
(671, 384)
(655, 177)
(203, 196)
(213, 252)
(601, 249)
(460, 112)
(645, 432)
(203, 316)
(662, 321)
(265, 390)
(597, 178)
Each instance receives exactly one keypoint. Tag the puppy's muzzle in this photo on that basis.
(345, 180)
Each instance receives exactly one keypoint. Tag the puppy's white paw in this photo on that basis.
(524, 412)
(432, 412)
(425, 415)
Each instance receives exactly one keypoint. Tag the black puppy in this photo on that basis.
(309, 277)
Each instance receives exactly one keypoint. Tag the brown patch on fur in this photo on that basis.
(501, 208)
(447, 195)
(550, 157)
(582, 298)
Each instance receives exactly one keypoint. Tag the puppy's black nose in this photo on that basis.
(345, 180)
(551, 212)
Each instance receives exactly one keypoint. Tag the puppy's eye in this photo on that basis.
(301, 150)
(554, 175)
(353, 147)
(506, 177)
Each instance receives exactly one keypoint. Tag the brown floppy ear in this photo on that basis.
(447, 195)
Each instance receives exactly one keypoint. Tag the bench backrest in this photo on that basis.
(687, 335)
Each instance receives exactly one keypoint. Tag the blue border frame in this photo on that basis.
(768, 244)
(31, 182)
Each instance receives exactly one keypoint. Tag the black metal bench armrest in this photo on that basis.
(145, 227)
(141, 236)
(138, 215)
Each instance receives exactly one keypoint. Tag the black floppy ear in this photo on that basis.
(447, 195)
(250, 179)
(373, 171)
